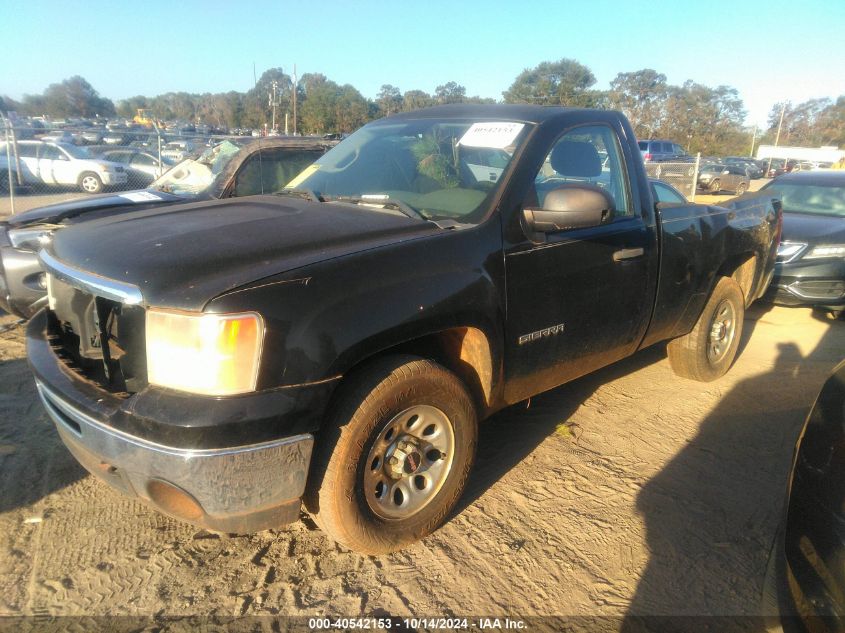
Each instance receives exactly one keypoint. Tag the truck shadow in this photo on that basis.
(507, 437)
(33, 461)
(711, 513)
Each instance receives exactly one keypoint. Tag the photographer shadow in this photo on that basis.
(711, 513)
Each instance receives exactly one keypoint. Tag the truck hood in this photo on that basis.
(185, 255)
(813, 228)
(55, 213)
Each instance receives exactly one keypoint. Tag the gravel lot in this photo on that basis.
(629, 491)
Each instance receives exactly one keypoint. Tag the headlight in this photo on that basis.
(210, 354)
(787, 251)
(829, 250)
(30, 239)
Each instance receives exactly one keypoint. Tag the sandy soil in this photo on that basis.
(630, 491)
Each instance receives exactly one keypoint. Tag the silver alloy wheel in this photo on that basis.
(90, 184)
(409, 462)
(722, 331)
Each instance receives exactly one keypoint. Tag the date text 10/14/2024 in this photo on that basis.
(449, 624)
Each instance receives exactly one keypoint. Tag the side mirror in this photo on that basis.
(572, 206)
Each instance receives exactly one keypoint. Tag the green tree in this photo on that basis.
(830, 123)
(564, 82)
(416, 99)
(352, 110)
(641, 96)
(256, 102)
(704, 119)
(319, 109)
(128, 108)
(7, 104)
(812, 123)
(389, 100)
(450, 92)
(71, 97)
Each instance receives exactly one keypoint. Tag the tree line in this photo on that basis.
(699, 117)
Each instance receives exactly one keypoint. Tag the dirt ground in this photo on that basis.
(630, 491)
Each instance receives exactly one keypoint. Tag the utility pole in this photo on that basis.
(294, 99)
(753, 140)
(777, 138)
(275, 85)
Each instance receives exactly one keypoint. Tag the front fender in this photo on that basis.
(323, 319)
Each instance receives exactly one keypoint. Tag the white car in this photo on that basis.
(62, 164)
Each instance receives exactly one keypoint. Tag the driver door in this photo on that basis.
(578, 299)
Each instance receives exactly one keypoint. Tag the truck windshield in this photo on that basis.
(800, 198)
(439, 168)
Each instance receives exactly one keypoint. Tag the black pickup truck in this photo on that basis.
(338, 342)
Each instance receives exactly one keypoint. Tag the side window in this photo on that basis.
(664, 193)
(276, 169)
(677, 149)
(116, 157)
(27, 150)
(50, 152)
(143, 160)
(589, 155)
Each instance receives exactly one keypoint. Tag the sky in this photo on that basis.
(770, 52)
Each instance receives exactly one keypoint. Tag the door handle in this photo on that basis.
(628, 253)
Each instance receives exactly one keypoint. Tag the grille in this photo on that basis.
(819, 289)
(97, 338)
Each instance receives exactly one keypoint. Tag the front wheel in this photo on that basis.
(395, 456)
(708, 351)
(715, 186)
(89, 182)
(741, 188)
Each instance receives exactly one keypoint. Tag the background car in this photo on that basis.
(142, 167)
(655, 151)
(62, 164)
(58, 136)
(805, 580)
(752, 169)
(229, 169)
(716, 178)
(664, 192)
(811, 257)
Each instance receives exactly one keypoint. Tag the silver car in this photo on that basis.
(718, 177)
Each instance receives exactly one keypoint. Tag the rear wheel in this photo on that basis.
(708, 351)
(741, 188)
(89, 182)
(395, 456)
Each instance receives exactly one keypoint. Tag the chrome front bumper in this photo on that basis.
(241, 489)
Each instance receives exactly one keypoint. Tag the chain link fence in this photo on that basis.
(683, 176)
(40, 166)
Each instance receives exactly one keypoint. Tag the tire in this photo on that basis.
(89, 182)
(741, 188)
(708, 351)
(357, 492)
(715, 186)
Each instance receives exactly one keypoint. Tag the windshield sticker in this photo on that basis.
(494, 135)
(302, 177)
(140, 196)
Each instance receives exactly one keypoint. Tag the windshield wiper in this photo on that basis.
(380, 200)
(308, 194)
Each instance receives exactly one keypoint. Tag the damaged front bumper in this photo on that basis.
(242, 488)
